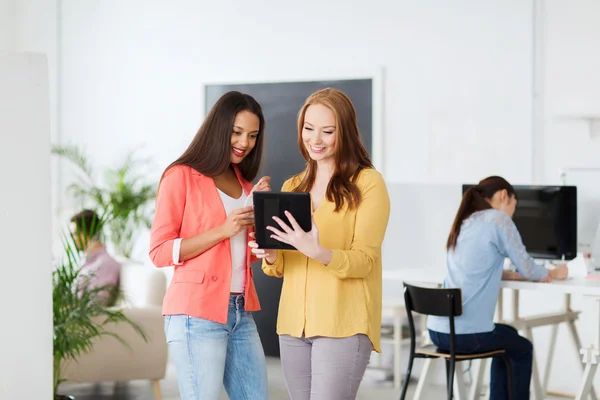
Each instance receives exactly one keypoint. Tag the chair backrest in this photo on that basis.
(433, 301)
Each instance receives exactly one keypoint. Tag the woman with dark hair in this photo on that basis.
(483, 235)
(100, 269)
(330, 310)
(201, 226)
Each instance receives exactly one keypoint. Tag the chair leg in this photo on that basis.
(447, 365)
(509, 378)
(411, 359)
(156, 387)
(450, 367)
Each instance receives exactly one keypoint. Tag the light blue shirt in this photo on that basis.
(475, 266)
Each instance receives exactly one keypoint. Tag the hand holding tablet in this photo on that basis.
(259, 253)
(238, 220)
(281, 218)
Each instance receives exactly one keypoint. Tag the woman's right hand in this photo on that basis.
(560, 272)
(269, 255)
(263, 185)
(237, 221)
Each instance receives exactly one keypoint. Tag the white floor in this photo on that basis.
(138, 390)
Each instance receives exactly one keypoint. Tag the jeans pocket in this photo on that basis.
(167, 321)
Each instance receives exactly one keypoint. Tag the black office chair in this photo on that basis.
(445, 303)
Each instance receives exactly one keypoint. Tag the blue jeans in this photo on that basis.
(209, 355)
(518, 349)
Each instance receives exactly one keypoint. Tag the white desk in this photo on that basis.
(587, 287)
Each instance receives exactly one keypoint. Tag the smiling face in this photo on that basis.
(319, 132)
(245, 133)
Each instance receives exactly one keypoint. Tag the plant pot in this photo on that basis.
(64, 397)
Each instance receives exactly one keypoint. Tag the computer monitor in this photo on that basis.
(588, 210)
(546, 217)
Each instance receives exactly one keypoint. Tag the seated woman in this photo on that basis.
(99, 269)
(483, 235)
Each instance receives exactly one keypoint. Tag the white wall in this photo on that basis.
(458, 81)
(572, 83)
(572, 91)
(26, 295)
(36, 30)
(457, 93)
(32, 26)
(8, 12)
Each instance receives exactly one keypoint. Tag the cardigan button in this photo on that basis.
(213, 278)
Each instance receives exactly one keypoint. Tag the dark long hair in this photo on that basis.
(351, 157)
(476, 198)
(210, 151)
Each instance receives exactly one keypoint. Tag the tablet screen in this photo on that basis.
(270, 204)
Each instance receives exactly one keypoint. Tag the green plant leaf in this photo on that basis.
(74, 155)
(79, 317)
(124, 194)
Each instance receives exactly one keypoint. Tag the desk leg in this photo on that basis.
(397, 351)
(501, 305)
(535, 376)
(590, 356)
(480, 369)
(515, 305)
(460, 388)
(426, 362)
(588, 377)
(422, 378)
(578, 346)
(550, 357)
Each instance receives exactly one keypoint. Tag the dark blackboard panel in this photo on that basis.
(281, 102)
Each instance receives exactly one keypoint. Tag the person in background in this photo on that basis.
(330, 309)
(201, 227)
(99, 268)
(483, 235)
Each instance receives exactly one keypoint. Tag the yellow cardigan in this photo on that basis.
(343, 298)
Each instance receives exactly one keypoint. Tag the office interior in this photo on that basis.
(448, 92)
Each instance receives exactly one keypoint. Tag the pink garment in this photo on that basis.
(100, 269)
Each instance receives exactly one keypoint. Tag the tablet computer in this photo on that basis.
(270, 204)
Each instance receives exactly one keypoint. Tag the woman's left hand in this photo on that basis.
(305, 242)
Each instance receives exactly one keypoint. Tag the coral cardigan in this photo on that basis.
(342, 298)
(188, 204)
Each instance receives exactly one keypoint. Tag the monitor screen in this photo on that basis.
(546, 217)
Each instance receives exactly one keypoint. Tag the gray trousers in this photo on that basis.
(323, 368)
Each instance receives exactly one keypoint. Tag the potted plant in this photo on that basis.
(79, 313)
(123, 192)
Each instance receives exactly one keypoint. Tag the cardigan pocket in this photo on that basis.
(188, 276)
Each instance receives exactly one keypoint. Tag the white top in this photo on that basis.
(238, 244)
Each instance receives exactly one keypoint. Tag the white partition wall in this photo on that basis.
(25, 228)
